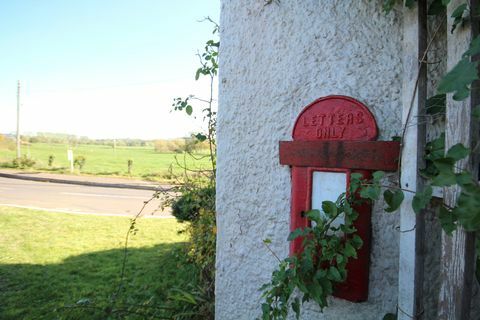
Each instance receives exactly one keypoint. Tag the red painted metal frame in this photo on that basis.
(336, 133)
(368, 155)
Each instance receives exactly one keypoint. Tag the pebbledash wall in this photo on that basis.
(276, 59)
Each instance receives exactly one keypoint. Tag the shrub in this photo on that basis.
(203, 232)
(23, 162)
(129, 166)
(169, 146)
(197, 205)
(51, 158)
(79, 162)
(187, 207)
(197, 300)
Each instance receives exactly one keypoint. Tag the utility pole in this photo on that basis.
(18, 120)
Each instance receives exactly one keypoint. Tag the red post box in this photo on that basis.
(334, 137)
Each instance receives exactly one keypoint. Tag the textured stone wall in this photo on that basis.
(275, 59)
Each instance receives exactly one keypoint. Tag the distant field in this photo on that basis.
(103, 160)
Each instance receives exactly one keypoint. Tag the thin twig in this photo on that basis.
(271, 251)
(125, 248)
(412, 101)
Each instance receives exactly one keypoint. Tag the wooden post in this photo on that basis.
(19, 154)
(410, 282)
(458, 250)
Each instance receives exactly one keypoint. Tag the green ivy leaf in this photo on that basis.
(436, 148)
(458, 152)
(339, 259)
(378, 175)
(295, 234)
(444, 164)
(326, 285)
(445, 176)
(410, 3)
(447, 220)
(201, 137)
(436, 104)
(458, 79)
(334, 275)
(265, 311)
(436, 7)
(444, 179)
(314, 215)
(393, 199)
(457, 14)
(474, 48)
(356, 241)
(355, 182)
(370, 192)
(330, 208)
(390, 316)
(189, 109)
(321, 273)
(468, 209)
(356, 176)
(316, 290)
(350, 251)
(422, 199)
(296, 307)
(197, 74)
(464, 178)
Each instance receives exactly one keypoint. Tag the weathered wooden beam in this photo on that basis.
(411, 261)
(458, 250)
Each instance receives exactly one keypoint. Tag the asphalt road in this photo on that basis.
(78, 199)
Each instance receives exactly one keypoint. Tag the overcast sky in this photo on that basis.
(103, 69)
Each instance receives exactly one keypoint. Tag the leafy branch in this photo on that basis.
(327, 247)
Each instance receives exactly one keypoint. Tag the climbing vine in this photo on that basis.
(312, 274)
(327, 249)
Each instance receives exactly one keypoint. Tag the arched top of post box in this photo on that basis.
(335, 118)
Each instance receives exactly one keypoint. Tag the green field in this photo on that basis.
(64, 266)
(104, 160)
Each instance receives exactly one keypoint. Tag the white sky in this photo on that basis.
(103, 69)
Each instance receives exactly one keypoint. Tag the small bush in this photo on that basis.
(23, 162)
(203, 233)
(79, 162)
(187, 207)
(129, 166)
(169, 146)
(197, 300)
(51, 158)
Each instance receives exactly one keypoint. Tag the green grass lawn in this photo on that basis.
(104, 160)
(52, 264)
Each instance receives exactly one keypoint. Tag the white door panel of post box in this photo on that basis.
(327, 186)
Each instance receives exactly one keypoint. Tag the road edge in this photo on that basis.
(84, 183)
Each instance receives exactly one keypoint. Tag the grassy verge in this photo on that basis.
(103, 160)
(62, 266)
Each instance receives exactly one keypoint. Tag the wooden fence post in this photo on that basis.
(458, 250)
(410, 282)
